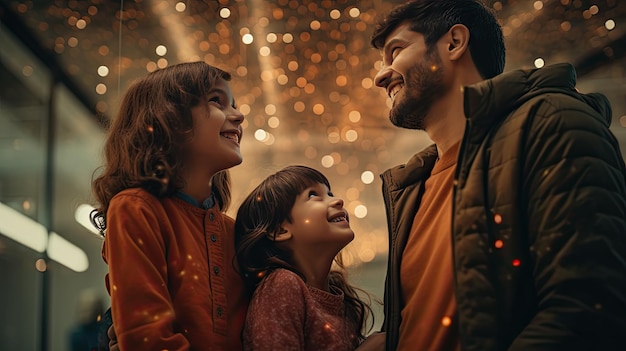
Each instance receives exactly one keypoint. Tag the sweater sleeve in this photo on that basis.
(134, 249)
(575, 181)
(276, 315)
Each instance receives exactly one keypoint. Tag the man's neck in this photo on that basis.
(446, 121)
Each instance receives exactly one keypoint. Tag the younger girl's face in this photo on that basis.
(217, 130)
(319, 221)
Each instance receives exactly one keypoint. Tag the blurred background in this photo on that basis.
(303, 76)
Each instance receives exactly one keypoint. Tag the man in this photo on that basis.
(510, 232)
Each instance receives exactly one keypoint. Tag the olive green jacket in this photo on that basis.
(540, 171)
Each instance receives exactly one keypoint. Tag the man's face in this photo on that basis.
(412, 75)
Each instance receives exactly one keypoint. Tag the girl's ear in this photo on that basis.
(282, 235)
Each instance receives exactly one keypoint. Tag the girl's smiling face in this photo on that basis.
(216, 130)
(319, 221)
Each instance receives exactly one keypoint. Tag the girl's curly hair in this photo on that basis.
(145, 142)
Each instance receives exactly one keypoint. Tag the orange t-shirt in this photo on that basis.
(426, 270)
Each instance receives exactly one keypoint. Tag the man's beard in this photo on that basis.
(424, 84)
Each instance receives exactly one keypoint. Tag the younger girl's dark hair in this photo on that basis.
(259, 219)
(145, 142)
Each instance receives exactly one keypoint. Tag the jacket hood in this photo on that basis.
(500, 95)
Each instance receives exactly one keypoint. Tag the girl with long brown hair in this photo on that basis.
(288, 232)
(162, 197)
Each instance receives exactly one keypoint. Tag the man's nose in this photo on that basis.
(382, 77)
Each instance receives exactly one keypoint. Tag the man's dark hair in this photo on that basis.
(433, 18)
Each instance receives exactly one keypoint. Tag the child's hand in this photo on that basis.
(374, 342)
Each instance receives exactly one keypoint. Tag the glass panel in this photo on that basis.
(23, 116)
(78, 143)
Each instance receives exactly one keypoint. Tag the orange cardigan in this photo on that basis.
(171, 276)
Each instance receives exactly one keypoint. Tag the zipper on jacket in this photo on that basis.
(455, 185)
(389, 316)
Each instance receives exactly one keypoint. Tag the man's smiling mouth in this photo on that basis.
(395, 90)
(394, 87)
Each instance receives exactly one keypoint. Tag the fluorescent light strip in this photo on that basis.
(22, 229)
(34, 235)
(66, 253)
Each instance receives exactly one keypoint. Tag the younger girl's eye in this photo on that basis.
(312, 193)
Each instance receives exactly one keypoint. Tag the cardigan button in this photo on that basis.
(219, 311)
(213, 238)
(211, 217)
(216, 269)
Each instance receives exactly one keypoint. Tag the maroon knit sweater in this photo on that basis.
(286, 314)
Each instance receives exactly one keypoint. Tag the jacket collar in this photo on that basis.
(486, 101)
(418, 168)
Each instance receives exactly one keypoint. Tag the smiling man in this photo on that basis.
(509, 233)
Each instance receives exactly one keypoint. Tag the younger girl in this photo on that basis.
(288, 232)
(162, 195)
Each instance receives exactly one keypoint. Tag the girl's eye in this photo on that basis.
(312, 193)
(216, 99)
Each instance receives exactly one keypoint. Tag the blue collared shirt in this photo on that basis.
(206, 204)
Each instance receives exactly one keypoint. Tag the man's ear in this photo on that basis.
(282, 235)
(458, 41)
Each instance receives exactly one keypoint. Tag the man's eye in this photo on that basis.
(395, 52)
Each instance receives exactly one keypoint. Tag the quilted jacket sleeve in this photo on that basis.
(576, 188)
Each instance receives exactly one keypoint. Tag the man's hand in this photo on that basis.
(374, 342)
(113, 346)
